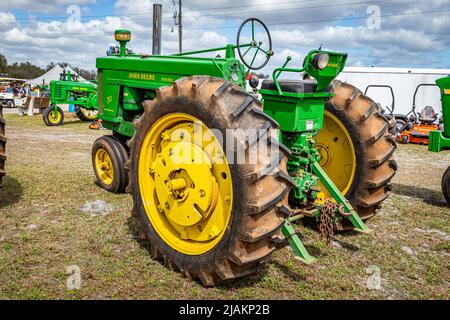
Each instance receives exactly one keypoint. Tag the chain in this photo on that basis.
(326, 226)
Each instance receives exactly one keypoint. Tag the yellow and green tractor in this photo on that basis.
(68, 90)
(218, 176)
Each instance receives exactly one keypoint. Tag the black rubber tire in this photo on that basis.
(46, 114)
(2, 147)
(260, 191)
(374, 147)
(446, 186)
(79, 112)
(10, 104)
(119, 156)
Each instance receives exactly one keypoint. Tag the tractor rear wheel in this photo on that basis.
(52, 118)
(85, 114)
(446, 185)
(357, 149)
(2, 147)
(217, 218)
(108, 160)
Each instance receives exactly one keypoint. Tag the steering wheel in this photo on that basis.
(254, 44)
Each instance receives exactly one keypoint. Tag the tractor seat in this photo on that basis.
(294, 86)
(427, 116)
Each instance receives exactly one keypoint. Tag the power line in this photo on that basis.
(279, 24)
(196, 11)
(279, 10)
(328, 20)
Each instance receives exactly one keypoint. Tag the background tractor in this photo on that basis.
(440, 140)
(218, 177)
(68, 90)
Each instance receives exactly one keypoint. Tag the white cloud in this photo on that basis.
(42, 6)
(402, 40)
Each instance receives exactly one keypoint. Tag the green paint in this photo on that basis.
(440, 140)
(83, 94)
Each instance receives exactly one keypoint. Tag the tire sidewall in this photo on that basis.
(353, 131)
(112, 147)
(46, 115)
(446, 185)
(205, 115)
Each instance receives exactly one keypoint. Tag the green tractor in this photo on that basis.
(219, 177)
(440, 140)
(68, 90)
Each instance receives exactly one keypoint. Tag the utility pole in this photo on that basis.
(180, 27)
(178, 19)
(157, 25)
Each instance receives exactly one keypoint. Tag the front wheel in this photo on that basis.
(10, 104)
(53, 116)
(446, 185)
(108, 160)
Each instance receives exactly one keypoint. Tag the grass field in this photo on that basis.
(43, 231)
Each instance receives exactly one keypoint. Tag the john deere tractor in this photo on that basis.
(440, 140)
(68, 90)
(219, 177)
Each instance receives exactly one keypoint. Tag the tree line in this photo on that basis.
(27, 70)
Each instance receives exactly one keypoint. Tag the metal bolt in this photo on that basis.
(202, 193)
(167, 206)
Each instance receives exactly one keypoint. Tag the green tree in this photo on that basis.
(3, 63)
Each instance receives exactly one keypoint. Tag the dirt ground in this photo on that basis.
(49, 223)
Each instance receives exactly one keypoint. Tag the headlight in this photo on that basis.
(321, 60)
(122, 35)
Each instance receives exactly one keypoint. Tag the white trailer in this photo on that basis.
(403, 81)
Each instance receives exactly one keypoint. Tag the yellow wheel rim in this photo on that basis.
(104, 167)
(337, 153)
(54, 116)
(185, 184)
(89, 114)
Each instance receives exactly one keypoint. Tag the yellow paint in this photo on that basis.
(54, 116)
(185, 184)
(89, 114)
(104, 166)
(337, 152)
(446, 91)
(141, 76)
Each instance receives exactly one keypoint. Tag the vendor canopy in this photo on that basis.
(52, 74)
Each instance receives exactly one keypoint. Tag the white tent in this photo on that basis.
(52, 74)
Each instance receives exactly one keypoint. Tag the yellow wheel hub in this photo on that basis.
(89, 114)
(54, 116)
(104, 166)
(337, 153)
(185, 184)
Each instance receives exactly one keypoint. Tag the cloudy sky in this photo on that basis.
(395, 33)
